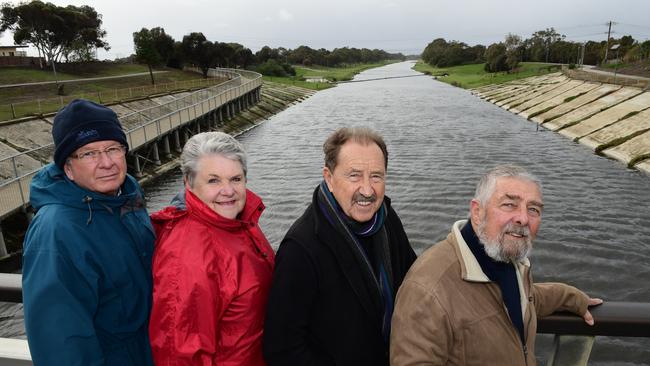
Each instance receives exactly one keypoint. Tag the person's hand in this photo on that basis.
(589, 319)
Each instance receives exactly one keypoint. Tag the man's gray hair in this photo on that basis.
(210, 143)
(487, 183)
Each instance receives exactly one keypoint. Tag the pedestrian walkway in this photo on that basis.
(589, 73)
(594, 70)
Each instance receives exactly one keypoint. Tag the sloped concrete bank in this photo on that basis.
(610, 119)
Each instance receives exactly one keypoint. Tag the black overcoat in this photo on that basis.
(320, 309)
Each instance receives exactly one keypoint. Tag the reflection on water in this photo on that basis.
(594, 230)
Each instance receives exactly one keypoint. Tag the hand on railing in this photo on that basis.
(589, 319)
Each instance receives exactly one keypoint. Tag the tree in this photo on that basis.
(199, 51)
(153, 47)
(267, 53)
(54, 31)
(645, 49)
(594, 52)
(477, 53)
(434, 51)
(542, 41)
(145, 50)
(495, 58)
(513, 51)
(163, 43)
(242, 56)
(177, 58)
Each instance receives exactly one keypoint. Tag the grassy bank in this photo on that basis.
(35, 99)
(19, 75)
(473, 76)
(330, 73)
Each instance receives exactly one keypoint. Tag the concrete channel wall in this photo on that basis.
(611, 119)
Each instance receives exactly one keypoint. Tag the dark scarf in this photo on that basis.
(377, 265)
(500, 272)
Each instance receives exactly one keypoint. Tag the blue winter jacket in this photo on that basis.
(87, 274)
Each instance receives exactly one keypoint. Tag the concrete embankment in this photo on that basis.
(611, 119)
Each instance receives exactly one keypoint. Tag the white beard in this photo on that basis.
(505, 249)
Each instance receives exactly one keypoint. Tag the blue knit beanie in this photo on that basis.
(80, 123)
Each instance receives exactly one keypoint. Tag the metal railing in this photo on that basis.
(140, 126)
(573, 338)
(49, 105)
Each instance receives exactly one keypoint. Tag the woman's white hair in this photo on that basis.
(210, 143)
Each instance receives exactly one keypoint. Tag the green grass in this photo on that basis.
(330, 73)
(19, 75)
(297, 82)
(474, 76)
(37, 99)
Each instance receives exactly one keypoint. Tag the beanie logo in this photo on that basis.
(83, 135)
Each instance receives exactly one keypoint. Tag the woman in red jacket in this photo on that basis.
(212, 264)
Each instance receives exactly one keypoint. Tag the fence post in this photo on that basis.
(13, 110)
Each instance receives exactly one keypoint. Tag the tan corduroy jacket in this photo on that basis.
(449, 313)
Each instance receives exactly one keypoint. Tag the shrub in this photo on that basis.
(271, 68)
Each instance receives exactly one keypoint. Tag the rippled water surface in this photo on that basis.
(596, 221)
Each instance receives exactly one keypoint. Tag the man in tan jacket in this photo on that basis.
(470, 299)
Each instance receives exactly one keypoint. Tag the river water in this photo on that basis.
(595, 228)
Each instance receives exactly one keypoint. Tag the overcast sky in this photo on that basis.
(405, 26)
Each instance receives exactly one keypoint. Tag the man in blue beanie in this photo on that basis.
(87, 253)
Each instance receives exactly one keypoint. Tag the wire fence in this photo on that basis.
(40, 106)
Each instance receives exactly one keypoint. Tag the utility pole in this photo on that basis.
(609, 31)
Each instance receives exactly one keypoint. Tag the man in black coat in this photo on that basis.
(340, 264)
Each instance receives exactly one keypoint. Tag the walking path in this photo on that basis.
(78, 80)
(592, 69)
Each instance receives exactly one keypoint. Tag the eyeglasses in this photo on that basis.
(92, 156)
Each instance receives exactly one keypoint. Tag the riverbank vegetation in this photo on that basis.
(17, 75)
(155, 48)
(35, 99)
(73, 56)
(546, 45)
(318, 77)
(474, 75)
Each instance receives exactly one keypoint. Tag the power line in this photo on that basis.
(634, 25)
(587, 35)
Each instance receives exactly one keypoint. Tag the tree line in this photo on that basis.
(543, 46)
(74, 33)
(155, 48)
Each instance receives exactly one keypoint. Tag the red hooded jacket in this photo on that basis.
(211, 278)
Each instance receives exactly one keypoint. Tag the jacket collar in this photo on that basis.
(247, 218)
(470, 268)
